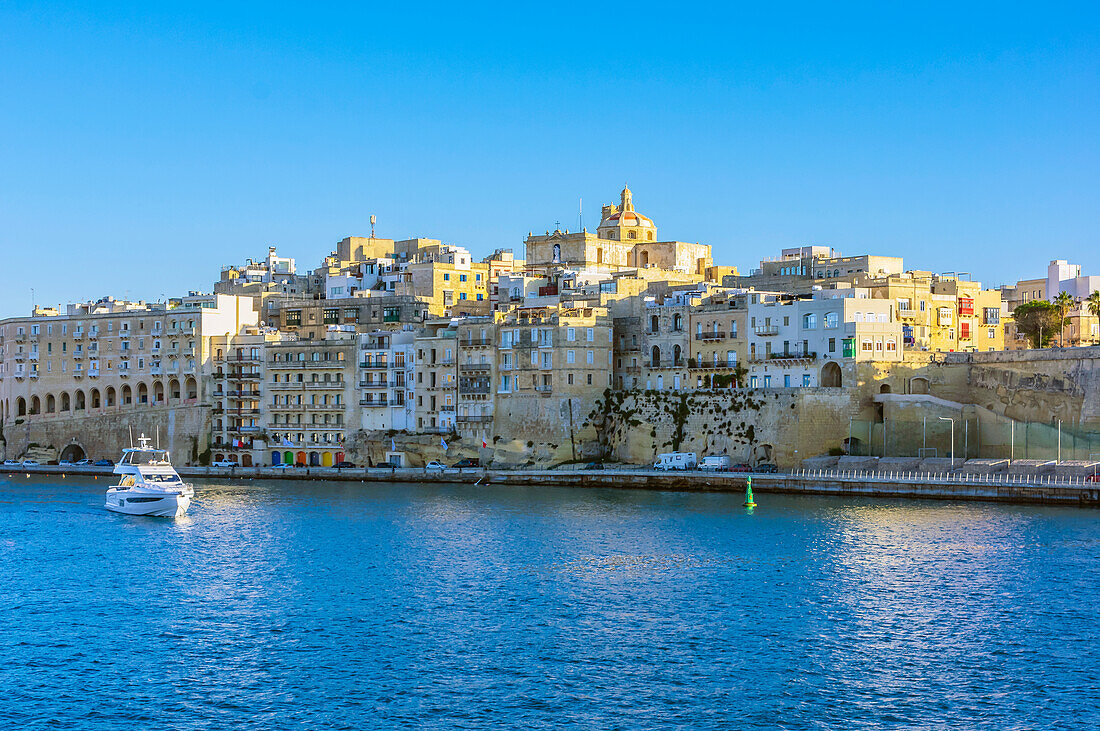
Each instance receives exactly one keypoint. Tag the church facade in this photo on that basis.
(625, 239)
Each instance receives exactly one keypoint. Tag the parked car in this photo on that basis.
(11, 463)
(65, 463)
(282, 466)
(300, 464)
(767, 468)
(223, 463)
(467, 462)
(435, 466)
(741, 467)
(715, 463)
(594, 466)
(30, 463)
(104, 463)
(345, 465)
(82, 462)
(675, 461)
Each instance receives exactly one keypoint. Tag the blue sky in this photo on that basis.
(142, 148)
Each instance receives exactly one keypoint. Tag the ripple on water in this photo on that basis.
(348, 606)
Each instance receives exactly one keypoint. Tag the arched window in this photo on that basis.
(676, 355)
(653, 324)
(655, 361)
(632, 234)
(650, 235)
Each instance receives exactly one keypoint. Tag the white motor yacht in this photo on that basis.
(148, 484)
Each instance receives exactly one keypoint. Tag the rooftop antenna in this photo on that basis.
(373, 220)
(32, 299)
(580, 214)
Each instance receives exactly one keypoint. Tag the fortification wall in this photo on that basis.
(185, 430)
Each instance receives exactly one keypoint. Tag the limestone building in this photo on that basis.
(625, 239)
(60, 374)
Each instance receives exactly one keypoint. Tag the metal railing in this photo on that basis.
(954, 478)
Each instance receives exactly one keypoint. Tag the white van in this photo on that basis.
(716, 463)
(675, 461)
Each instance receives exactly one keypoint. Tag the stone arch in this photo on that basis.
(109, 397)
(643, 259)
(246, 460)
(276, 457)
(36, 405)
(885, 388)
(65, 402)
(72, 453)
(654, 323)
(655, 357)
(51, 403)
(920, 385)
(127, 395)
(314, 459)
(158, 393)
(831, 376)
(677, 353)
(142, 393)
(557, 253)
(677, 322)
(174, 389)
(191, 388)
(763, 452)
(20, 406)
(95, 400)
(79, 402)
(219, 457)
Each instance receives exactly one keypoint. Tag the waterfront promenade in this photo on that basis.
(1048, 489)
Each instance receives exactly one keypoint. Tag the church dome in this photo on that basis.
(623, 216)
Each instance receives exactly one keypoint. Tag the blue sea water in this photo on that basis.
(340, 605)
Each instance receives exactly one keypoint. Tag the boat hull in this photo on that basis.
(167, 506)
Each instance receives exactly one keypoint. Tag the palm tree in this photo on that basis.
(1064, 302)
(1093, 303)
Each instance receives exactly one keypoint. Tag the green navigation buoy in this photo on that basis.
(748, 494)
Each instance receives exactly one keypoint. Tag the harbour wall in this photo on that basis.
(1031, 489)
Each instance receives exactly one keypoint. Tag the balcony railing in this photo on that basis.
(719, 335)
(374, 384)
(793, 356)
(471, 419)
(766, 330)
(475, 366)
(711, 365)
(373, 402)
(374, 365)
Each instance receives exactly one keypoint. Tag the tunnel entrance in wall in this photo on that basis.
(72, 453)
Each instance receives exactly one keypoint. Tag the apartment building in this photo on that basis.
(237, 417)
(804, 342)
(719, 342)
(387, 380)
(308, 393)
(552, 351)
(942, 312)
(110, 356)
(476, 346)
(311, 318)
(666, 340)
(436, 377)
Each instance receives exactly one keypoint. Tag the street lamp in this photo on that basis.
(944, 418)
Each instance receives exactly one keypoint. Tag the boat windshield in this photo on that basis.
(145, 456)
(161, 478)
